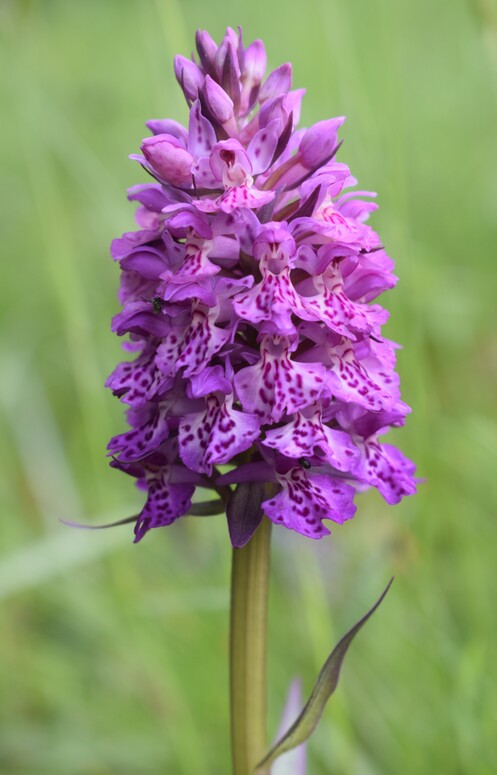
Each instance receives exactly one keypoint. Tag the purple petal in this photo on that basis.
(215, 435)
(307, 499)
(262, 147)
(218, 102)
(140, 442)
(189, 76)
(165, 503)
(303, 435)
(169, 159)
(319, 141)
(201, 135)
(278, 82)
(166, 126)
(276, 385)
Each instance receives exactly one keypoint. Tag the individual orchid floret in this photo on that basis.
(247, 297)
(253, 72)
(189, 76)
(319, 142)
(219, 104)
(167, 159)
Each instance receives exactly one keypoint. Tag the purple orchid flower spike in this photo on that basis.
(247, 297)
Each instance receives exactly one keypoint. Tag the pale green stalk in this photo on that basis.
(248, 651)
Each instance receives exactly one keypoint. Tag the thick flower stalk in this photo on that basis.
(247, 297)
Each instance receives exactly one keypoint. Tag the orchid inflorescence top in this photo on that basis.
(246, 297)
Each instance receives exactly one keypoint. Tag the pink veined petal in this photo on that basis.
(349, 381)
(234, 198)
(230, 163)
(138, 381)
(216, 435)
(342, 315)
(192, 347)
(385, 467)
(274, 299)
(212, 379)
(165, 503)
(307, 436)
(276, 385)
(307, 499)
(140, 442)
(339, 227)
(202, 174)
(195, 264)
(262, 147)
(201, 135)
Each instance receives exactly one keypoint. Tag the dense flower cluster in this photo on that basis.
(246, 296)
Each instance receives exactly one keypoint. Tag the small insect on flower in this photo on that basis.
(259, 345)
(157, 304)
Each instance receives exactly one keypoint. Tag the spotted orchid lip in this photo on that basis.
(247, 294)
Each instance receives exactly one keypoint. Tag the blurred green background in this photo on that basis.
(113, 657)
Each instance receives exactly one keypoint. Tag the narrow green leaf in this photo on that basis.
(325, 685)
(203, 509)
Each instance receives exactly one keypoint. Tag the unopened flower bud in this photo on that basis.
(168, 158)
(218, 102)
(207, 50)
(189, 76)
(319, 142)
(278, 82)
(254, 63)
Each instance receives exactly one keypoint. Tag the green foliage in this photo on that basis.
(114, 656)
(327, 681)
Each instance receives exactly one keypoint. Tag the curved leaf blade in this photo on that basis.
(324, 687)
(203, 509)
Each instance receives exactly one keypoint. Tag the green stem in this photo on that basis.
(248, 651)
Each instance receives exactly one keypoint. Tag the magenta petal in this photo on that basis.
(319, 141)
(201, 134)
(165, 503)
(218, 102)
(141, 441)
(189, 76)
(167, 157)
(276, 385)
(385, 467)
(262, 147)
(278, 82)
(304, 437)
(215, 435)
(306, 500)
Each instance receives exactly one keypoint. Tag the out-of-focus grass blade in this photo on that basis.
(52, 556)
(293, 762)
(325, 685)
